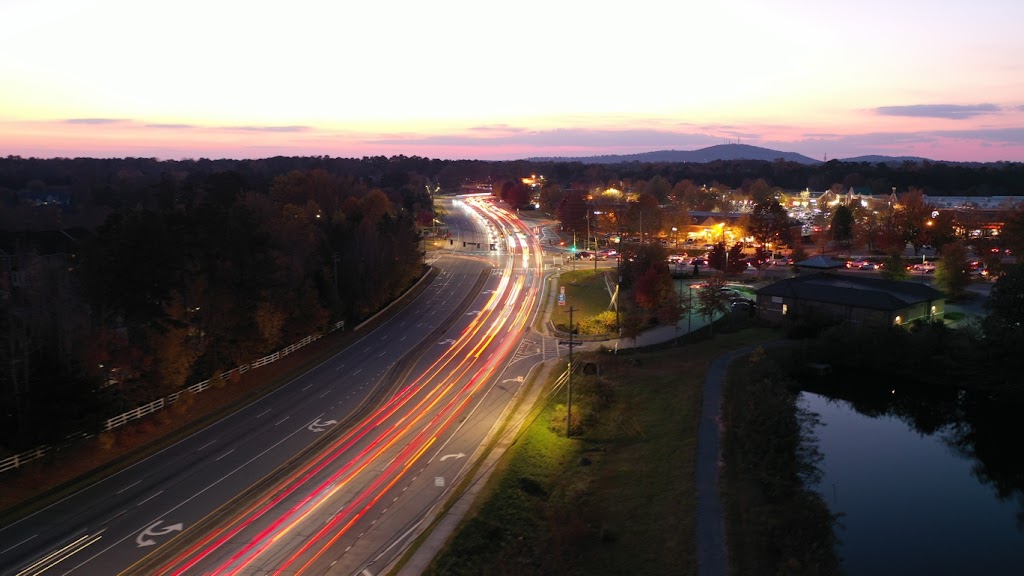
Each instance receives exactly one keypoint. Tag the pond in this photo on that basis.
(915, 503)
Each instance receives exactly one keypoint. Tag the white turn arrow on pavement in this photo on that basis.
(319, 426)
(456, 456)
(142, 539)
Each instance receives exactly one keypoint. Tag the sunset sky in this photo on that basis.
(941, 79)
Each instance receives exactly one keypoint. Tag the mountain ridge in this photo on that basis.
(720, 152)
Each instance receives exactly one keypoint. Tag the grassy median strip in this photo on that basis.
(616, 498)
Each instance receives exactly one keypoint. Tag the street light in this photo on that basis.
(721, 228)
(675, 238)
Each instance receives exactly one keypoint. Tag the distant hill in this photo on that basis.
(702, 156)
(876, 159)
(726, 152)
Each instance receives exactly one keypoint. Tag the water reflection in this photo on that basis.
(929, 482)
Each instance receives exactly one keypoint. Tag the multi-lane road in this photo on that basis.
(333, 472)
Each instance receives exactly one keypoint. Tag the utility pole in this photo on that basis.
(568, 410)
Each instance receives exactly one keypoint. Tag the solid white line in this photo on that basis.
(18, 544)
(225, 454)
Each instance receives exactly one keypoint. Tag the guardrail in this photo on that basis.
(18, 460)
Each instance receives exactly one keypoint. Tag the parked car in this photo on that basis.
(729, 293)
(926, 267)
(743, 305)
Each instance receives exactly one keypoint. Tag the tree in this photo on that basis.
(1012, 234)
(550, 196)
(910, 217)
(1005, 306)
(842, 225)
(572, 211)
(645, 214)
(734, 262)
(769, 223)
(658, 187)
(711, 300)
(685, 193)
(716, 257)
(951, 274)
(893, 267)
(760, 191)
(653, 286)
(515, 194)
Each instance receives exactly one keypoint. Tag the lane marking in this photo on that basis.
(128, 486)
(150, 498)
(225, 454)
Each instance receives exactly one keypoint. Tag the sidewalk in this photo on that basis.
(442, 522)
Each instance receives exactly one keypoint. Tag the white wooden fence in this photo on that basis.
(18, 460)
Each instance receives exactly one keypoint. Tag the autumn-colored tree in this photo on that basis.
(910, 217)
(653, 286)
(515, 194)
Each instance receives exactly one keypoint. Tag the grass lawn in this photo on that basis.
(585, 292)
(618, 497)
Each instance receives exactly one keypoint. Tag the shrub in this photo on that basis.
(603, 323)
(107, 440)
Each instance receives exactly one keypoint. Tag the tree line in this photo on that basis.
(179, 269)
(209, 273)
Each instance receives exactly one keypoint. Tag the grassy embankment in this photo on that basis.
(616, 498)
(587, 294)
(775, 523)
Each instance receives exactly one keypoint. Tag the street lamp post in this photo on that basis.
(675, 238)
(689, 310)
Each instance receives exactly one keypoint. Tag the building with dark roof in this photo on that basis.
(851, 298)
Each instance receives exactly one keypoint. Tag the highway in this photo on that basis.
(332, 472)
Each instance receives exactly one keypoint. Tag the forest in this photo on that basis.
(126, 279)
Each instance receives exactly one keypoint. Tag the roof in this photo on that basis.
(857, 291)
(820, 262)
